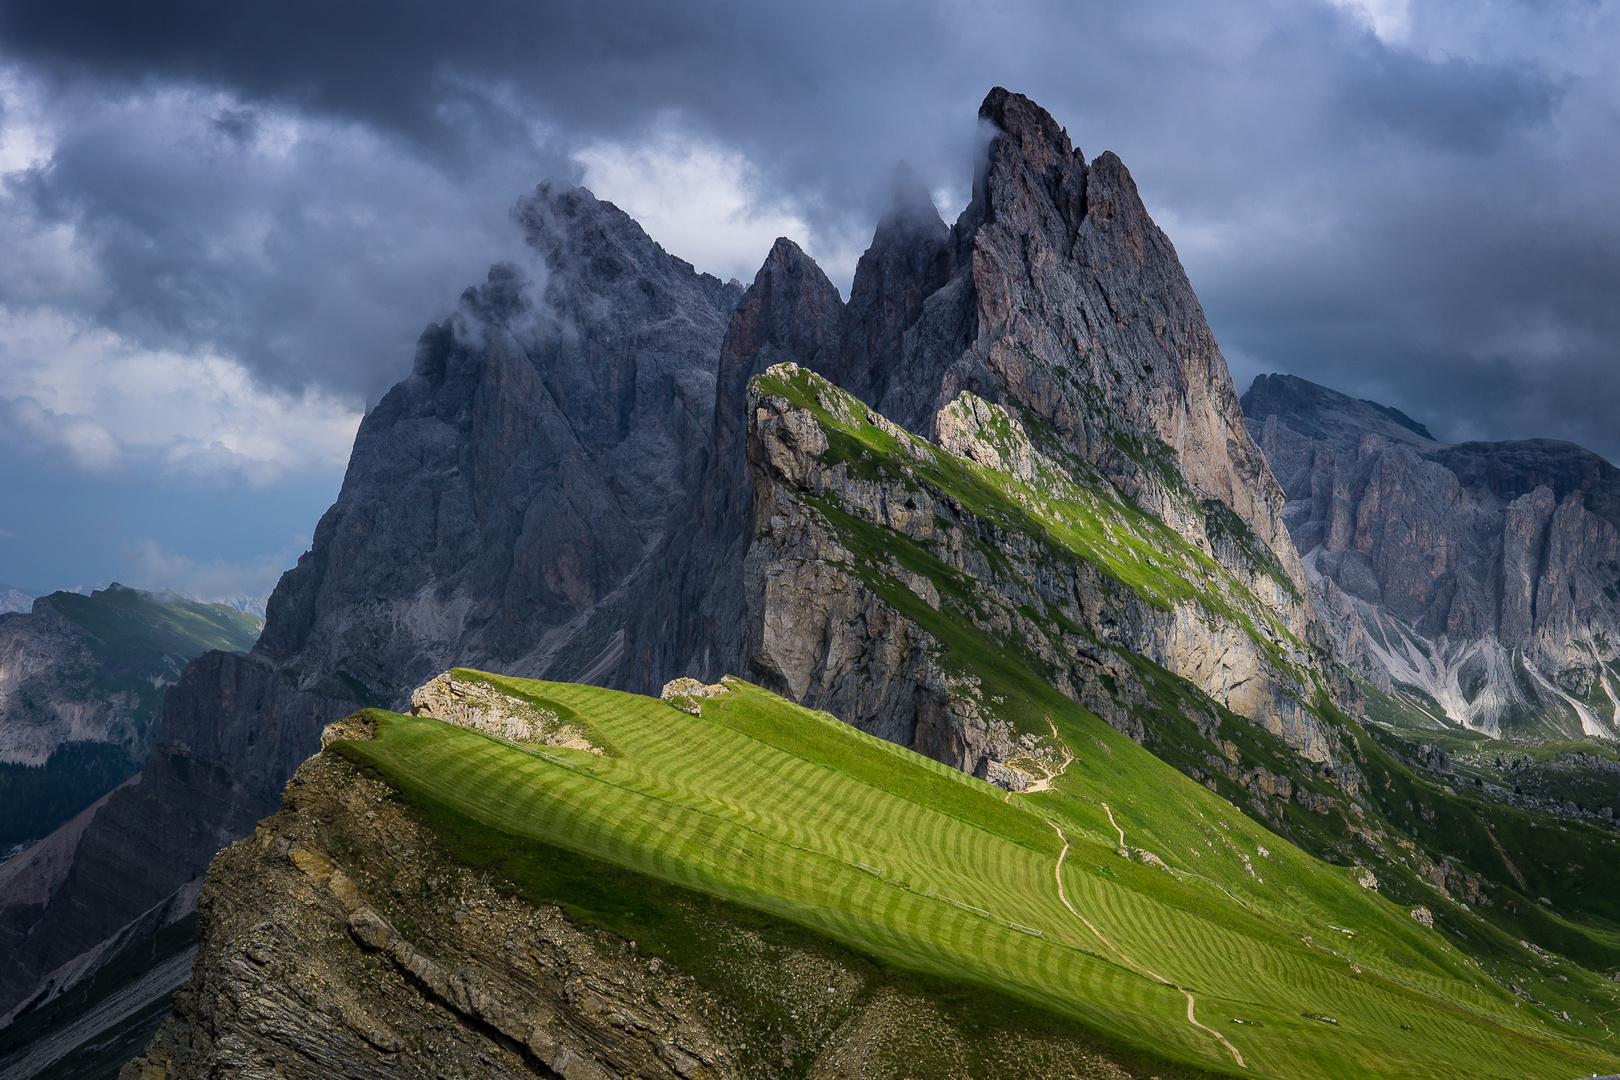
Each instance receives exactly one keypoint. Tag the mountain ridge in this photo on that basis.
(1008, 479)
(1482, 575)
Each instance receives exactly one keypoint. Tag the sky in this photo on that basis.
(224, 224)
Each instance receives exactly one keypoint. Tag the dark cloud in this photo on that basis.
(1423, 220)
(1452, 103)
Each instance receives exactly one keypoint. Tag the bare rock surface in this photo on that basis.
(471, 704)
(822, 635)
(1485, 575)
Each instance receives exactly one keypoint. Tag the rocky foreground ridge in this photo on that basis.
(339, 939)
(1484, 576)
(573, 484)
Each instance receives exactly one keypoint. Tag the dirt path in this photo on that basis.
(1045, 784)
(1115, 824)
(1192, 1019)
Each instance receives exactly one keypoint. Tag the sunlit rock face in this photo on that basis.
(1486, 575)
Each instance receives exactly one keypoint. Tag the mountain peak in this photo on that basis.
(1323, 413)
(910, 207)
(1026, 123)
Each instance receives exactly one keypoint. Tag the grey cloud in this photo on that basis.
(1454, 103)
(1416, 223)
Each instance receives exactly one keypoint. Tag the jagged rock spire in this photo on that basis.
(911, 256)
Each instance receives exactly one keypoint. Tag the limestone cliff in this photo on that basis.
(1481, 575)
(864, 533)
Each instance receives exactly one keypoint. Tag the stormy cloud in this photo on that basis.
(1409, 201)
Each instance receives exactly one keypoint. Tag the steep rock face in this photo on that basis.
(864, 531)
(691, 622)
(500, 500)
(1068, 300)
(135, 868)
(1055, 296)
(82, 681)
(502, 506)
(382, 957)
(561, 488)
(1482, 574)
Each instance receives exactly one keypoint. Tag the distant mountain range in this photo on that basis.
(1483, 578)
(82, 680)
(1002, 509)
(15, 599)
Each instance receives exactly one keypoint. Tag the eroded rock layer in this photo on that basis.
(865, 532)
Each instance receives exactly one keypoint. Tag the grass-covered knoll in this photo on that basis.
(791, 813)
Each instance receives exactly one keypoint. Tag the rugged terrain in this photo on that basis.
(1482, 576)
(498, 504)
(740, 887)
(345, 937)
(561, 488)
(82, 680)
(1000, 508)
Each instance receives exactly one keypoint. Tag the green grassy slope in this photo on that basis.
(134, 631)
(1430, 843)
(775, 807)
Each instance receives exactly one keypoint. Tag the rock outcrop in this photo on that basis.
(1485, 576)
(503, 506)
(863, 531)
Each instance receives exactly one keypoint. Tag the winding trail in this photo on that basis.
(1192, 1019)
(1045, 784)
(1114, 823)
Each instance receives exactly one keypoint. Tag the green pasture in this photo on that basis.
(789, 812)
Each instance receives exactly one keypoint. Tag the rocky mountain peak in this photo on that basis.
(1327, 414)
(912, 255)
(1029, 156)
(1483, 575)
(791, 312)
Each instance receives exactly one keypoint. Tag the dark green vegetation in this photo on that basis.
(769, 806)
(34, 799)
(136, 645)
(135, 632)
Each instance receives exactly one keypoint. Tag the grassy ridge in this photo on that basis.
(775, 807)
